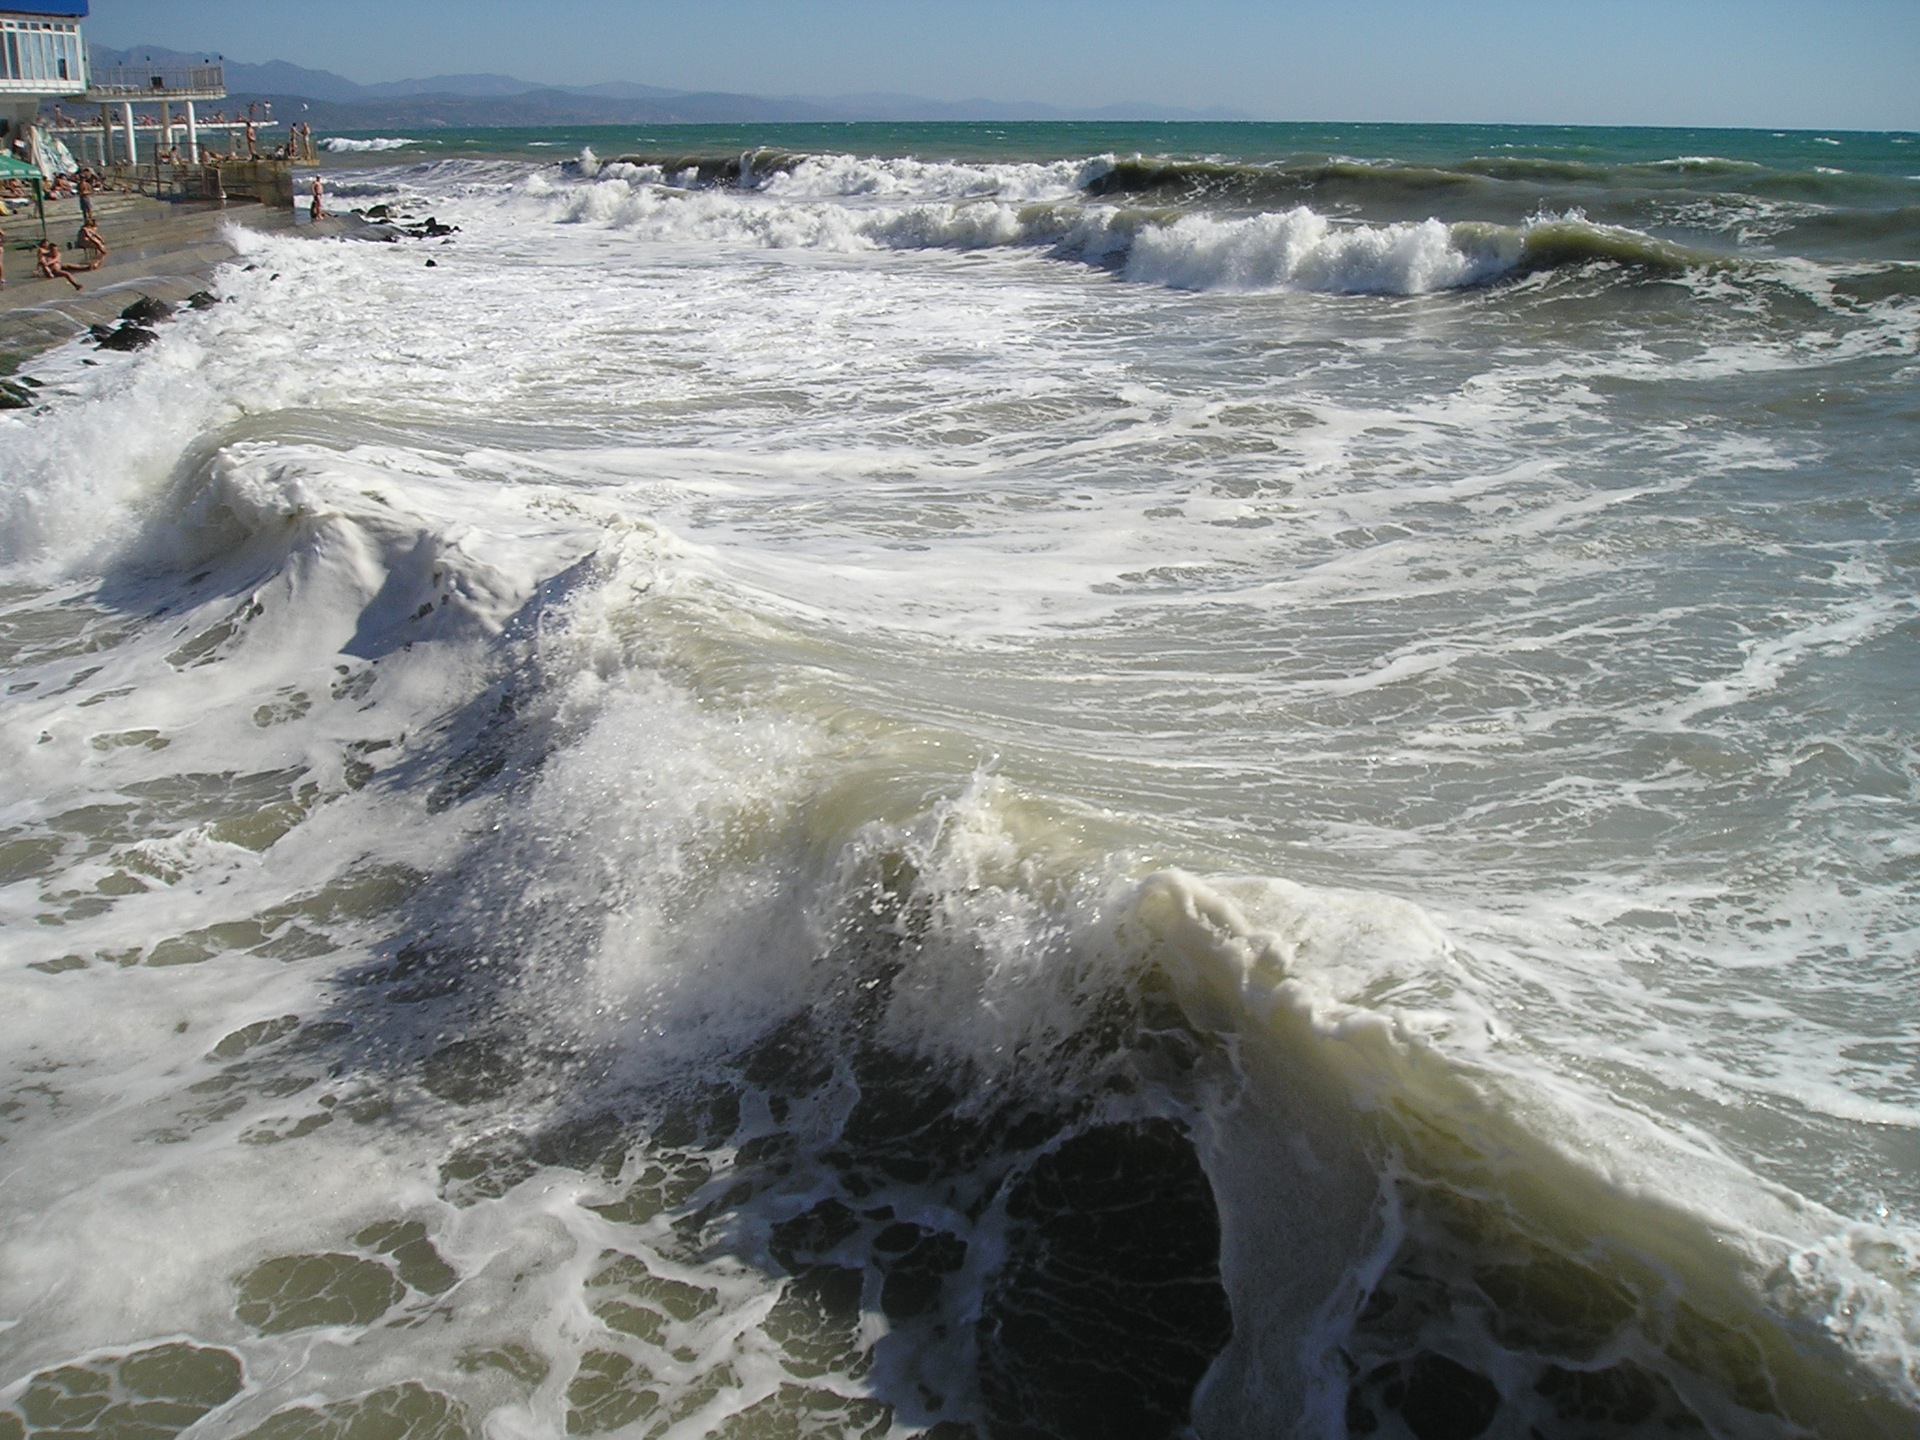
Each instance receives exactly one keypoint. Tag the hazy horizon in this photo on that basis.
(1774, 64)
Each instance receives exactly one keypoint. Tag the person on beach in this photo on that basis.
(52, 267)
(317, 211)
(91, 242)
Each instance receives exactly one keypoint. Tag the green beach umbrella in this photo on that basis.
(12, 169)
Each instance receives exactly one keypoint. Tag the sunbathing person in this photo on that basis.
(53, 267)
(91, 242)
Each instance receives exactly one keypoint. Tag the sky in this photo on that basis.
(1852, 64)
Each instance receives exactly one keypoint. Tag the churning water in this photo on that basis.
(962, 781)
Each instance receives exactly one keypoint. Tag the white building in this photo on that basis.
(42, 57)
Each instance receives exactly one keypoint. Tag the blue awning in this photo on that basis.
(66, 9)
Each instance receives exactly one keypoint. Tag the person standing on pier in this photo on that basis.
(318, 211)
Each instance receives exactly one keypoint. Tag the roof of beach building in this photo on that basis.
(65, 9)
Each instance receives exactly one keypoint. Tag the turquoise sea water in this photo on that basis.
(1002, 781)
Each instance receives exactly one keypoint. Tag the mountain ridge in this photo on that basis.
(480, 100)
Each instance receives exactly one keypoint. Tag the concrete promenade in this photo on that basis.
(160, 248)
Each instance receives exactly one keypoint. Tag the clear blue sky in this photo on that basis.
(1772, 63)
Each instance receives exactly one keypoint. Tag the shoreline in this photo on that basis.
(164, 249)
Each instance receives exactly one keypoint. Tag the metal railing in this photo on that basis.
(267, 181)
(160, 81)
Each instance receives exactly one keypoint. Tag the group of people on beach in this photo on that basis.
(49, 262)
(299, 146)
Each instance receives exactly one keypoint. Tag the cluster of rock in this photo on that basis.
(17, 393)
(383, 222)
(135, 330)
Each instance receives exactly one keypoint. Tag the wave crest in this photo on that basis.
(343, 145)
(852, 205)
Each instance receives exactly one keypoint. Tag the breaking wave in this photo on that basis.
(906, 205)
(342, 145)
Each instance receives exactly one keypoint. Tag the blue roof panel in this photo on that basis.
(67, 9)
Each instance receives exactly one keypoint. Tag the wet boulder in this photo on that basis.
(128, 337)
(146, 311)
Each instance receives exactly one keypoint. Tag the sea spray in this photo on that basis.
(891, 820)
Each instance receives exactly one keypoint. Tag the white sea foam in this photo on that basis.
(1298, 249)
(829, 557)
(1304, 250)
(345, 145)
(848, 176)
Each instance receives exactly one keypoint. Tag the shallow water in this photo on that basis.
(954, 781)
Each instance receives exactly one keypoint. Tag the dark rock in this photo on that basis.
(146, 310)
(14, 397)
(100, 332)
(129, 337)
(203, 300)
(431, 264)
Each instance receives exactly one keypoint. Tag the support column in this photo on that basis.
(133, 138)
(165, 139)
(193, 136)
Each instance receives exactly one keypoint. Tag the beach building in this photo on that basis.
(148, 133)
(42, 58)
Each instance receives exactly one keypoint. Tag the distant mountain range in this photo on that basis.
(333, 102)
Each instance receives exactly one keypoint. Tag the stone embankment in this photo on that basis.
(166, 250)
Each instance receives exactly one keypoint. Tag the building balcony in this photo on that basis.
(53, 88)
(157, 82)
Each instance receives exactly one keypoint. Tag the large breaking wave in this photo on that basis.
(847, 204)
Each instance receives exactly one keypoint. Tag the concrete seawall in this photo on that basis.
(164, 249)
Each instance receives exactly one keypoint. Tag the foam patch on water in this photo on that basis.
(346, 145)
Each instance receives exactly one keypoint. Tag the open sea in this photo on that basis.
(1001, 782)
